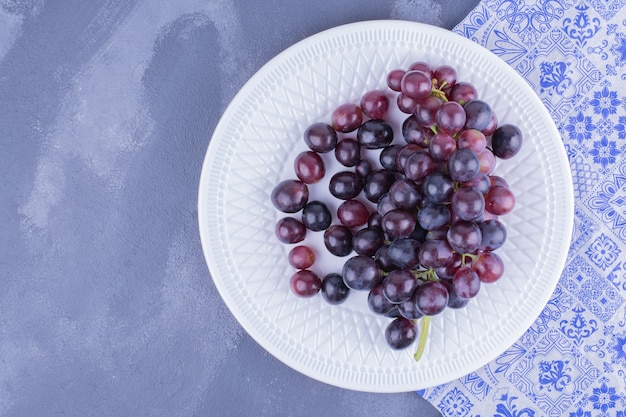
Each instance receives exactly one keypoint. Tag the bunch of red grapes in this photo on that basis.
(419, 229)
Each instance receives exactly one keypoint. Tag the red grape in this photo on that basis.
(346, 118)
(466, 283)
(450, 117)
(473, 140)
(432, 298)
(394, 78)
(309, 167)
(415, 84)
(488, 266)
(375, 104)
(352, 213)
(301, 257)
(305, 283)
(445, 75)
(290, 230)
(499, 200)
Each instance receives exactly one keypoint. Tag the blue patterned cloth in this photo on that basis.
(572, 361)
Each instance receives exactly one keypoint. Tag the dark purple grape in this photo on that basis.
(399, 285)
(338, 240)
(454, 301)
(404, 153)
(438, 234)
(480, 182)
(346, 118)
(378, 183)
(468, 203)
(464, 236)
(316, 216)
(383, 259)
(290, 196)
(466, 283)
(353, 213)
(408, 309)
(431, 298)
(305, 283)
(462, 92)
(385, 205)
(309, 167)
(368, 241)
(375, 104)
(426, 110)
(419, 165)
(387, 157)
(435, 253)
(334, 290)
(478, 114)
(506, 141)
(375, 134)
(394, 78)
(361, 273)
(493, 235)
(378, 303)
(405, 194)
(441, 146)
(493, 125)
(419, 233)
(290, 230)
(433, 216)
(438, 187)
(463, 165)
(415, 84)
(345, 185)
(400, 333)
(399, 223)
(404, 253)
(375, 221)
(348, 152)
(413, 132)
(320, 137)
(363, 168)
(450, 117)
(448, 271)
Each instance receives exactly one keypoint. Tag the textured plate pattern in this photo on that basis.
(252, 149)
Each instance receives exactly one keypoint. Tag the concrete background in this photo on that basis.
(107, 307)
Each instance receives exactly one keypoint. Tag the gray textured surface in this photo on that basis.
(106, 304)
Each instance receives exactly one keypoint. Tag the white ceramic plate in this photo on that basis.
(253, 148)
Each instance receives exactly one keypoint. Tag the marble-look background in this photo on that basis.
(107, 307)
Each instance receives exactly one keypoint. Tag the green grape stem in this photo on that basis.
(426, 275)
(465, 256)
(438, 92)
(421, 343)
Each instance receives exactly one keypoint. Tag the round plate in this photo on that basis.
(253, 148)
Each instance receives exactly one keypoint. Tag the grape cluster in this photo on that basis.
(421, 228)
